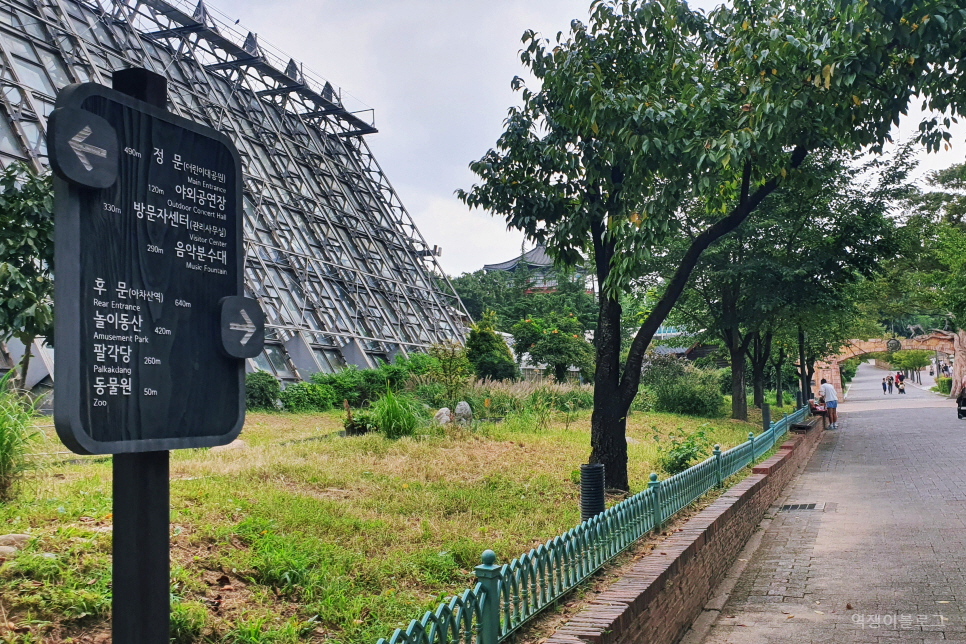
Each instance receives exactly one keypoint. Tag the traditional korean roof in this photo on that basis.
(534, 259)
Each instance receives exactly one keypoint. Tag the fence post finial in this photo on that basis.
(717, 465)
(655, 486)
(488, 574)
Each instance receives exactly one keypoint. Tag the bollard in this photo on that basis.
(591, 490)
(751, 439)
(488, 574)
(655, 486)
(717, 465)
(765, 417)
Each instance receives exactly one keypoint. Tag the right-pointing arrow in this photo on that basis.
(79, 147)
(248, 327)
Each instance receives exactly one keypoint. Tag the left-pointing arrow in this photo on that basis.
(82, 149)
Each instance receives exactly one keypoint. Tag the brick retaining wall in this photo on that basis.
(659, 597)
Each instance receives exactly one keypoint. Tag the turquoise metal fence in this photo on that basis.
(507, 596)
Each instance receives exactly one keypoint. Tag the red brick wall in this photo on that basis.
(660, 596)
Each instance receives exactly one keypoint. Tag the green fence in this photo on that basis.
(507, 596)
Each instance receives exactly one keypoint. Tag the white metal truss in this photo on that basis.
(332, 254)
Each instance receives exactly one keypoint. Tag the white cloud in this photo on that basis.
(468, 239)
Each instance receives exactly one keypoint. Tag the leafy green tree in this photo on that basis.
(557, 341)
(913, 360)
(651, 103)
(827, 229)
(509, 295)
(487, 351)
(451, 368)
(26, 259)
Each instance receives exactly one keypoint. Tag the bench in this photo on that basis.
(807, 424)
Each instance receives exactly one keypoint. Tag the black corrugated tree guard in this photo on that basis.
(652, 103)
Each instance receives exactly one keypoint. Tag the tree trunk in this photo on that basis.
(803, 374)
(21, 381)
(759, 355)
(739, 396)
(779, 385)
(608, 423)
(560, 372)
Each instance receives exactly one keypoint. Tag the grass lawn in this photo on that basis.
(309, 536)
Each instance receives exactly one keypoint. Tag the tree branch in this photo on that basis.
(632, 371)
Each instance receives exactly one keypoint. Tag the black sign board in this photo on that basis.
(148, 256)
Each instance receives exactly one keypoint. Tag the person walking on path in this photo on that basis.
(827, 392)
(902, 387)
(889, 382)
(883, 386)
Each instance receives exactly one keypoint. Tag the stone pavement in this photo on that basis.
(882, 557)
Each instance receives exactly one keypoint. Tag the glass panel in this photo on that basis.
(17, 46)
(33, 76)
(54, 67)
(262, 363)
(35, 138)
(322, 361)
(275, 356)
(8, 141)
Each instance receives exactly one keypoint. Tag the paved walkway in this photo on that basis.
(882, 557)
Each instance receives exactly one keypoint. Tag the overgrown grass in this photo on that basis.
(396, 415)
(306, 536)
(16, 436)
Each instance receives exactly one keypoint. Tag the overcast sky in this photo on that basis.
(438, 75)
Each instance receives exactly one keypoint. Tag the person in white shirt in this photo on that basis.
(827, 392)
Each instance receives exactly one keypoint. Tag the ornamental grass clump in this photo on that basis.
(16, 436)
(396, 415)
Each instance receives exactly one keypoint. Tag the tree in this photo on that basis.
(651, 103)
(509, 295)
(825, 230)
(26, 259)
(488, 352)
(451, 368)
(911, 360)
(557, 341)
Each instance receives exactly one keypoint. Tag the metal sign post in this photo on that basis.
(152, 328)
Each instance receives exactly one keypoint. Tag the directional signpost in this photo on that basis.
(152, 327)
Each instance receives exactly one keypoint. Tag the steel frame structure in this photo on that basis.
(332, 255)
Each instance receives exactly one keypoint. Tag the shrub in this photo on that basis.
(488, 352)
(307, 397)
(396, 415)
(659, 368)
(16, 436)
(359, 422)
(945, 385)
(682, 451)
(418, 364)
(453, 370)
(848, 368)
(695, 393)
(348, 384)
(643, 401)
(427, 391)
(262, 391)
(361, 386)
